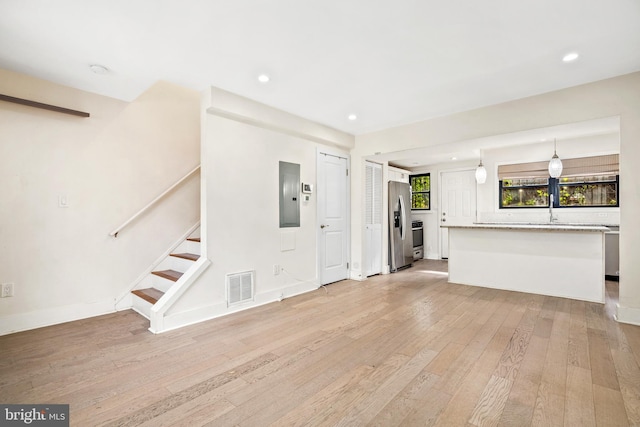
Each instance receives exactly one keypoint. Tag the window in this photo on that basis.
(524, 192)
(594, 190)
(586, 182)
(420, 191)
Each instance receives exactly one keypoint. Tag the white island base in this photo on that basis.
(555, 260)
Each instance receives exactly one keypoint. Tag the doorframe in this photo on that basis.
(345, 155)
(460, 169)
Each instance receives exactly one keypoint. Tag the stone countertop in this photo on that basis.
(533, 227)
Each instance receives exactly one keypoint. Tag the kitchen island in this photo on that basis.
(562, 260)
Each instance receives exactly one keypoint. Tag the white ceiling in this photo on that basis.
(389, 62)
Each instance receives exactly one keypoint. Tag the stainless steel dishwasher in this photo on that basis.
(612, 253)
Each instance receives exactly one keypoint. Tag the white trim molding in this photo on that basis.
(52, 316)
(208, 312)
(629, 315)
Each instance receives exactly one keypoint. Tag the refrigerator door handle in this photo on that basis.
(403, 220)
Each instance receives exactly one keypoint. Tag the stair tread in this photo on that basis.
(151, 295)
(193, 239)
(192, 257)
(168, 274)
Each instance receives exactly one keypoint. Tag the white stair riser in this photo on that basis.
(188, 247)
(196, 233)
(174, 263)
(180, 264)
(166, 264)
(141, 306)
(145, 283)
(160, 283)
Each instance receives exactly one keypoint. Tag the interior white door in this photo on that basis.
(457, 202)
(333, 226)
(373, 218)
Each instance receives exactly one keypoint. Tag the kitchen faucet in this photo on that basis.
(551, 217)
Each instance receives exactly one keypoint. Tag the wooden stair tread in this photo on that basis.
(168, 274)
(191, 257)
(194, 239)
(151, 295)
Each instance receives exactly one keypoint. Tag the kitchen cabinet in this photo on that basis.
(548, 259)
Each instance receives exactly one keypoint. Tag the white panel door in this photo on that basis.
(333, 231)
(458, 203)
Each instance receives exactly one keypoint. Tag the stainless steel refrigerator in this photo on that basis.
(400, 235)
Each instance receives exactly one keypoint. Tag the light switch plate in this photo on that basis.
(6, 290)
(63, 201)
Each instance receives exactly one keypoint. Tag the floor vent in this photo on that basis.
(240, 287)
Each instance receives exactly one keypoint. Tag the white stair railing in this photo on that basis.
(115, 232)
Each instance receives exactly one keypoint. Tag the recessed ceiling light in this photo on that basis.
(570, 57)
(98, 69)
(352, 117)
(454, 158)
(263, 78)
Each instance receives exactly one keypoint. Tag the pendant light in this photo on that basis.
(481, 172)
(555, 164)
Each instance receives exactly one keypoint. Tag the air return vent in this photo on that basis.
(239, 287)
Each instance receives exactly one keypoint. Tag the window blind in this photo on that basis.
(607, 164)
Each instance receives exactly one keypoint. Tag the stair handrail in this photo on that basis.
(115, 232)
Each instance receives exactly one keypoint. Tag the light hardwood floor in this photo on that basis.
(403, 349)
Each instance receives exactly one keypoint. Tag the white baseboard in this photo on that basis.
(202, 314)
(630, 315)
(53, 316)
(356, 275)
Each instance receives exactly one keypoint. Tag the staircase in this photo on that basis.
(167, 273)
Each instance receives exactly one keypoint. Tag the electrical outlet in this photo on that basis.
(276, 269)
(7, 290)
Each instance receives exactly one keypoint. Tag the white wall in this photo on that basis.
(61, 260)
(243, 143)
(618, 96)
